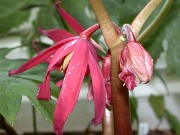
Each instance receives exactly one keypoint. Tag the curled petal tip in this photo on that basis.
(57, 4)
(44, 97)
(95, 122)
(35, 47)
(58, 132)
(10, 73)
(41, 30)
(41, 94)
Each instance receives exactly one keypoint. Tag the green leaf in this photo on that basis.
(11, 91)
(8, 64)
(157, 104)
(13, 20)
(124, 11)
(173, 55)
(8, 7)
(13, 88)
(153, 43)
(36, 78)
(37, 2)
(166, 32)
(8, 101)
(173, 121)
(173, 40)
(35, 74)
(156, 72)
(134, 106)
(48, 18)
(81, 11)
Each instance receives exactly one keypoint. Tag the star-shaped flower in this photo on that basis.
(81, 54)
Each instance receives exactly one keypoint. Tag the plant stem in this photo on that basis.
(143, 16)
(34, 120)
(167, 5)
(108, 127)
(109, 33)
(120, 98)
(120, 95)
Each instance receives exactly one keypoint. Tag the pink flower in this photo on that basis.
(106, 71)
(135, 62)
(83, 57)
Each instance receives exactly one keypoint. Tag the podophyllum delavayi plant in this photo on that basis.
(76, 55)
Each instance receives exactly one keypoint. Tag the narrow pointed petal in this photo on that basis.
(69, 19)
(60, 83)
(39, 58)
(71, 86)
(106, 67)
(99, 90)
(90, 95)
(45, 93)
(61, 52)
(88, 32)
(108, 90)
(56, 34)
(44, 90)
(35, 47)
(93, 51)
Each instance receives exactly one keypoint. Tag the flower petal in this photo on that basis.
(128, 78)
(44, 89)
(99, 90)
(108, 90)
(60, 83)
(90, 95)
(106, 67)
(39, 58)
(140, 61)
(93, 51)
(69, 19)
(35, 47)
(56, 34)
(71, 86)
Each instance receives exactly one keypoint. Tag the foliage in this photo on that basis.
(158, 105)
(134, 106)
(173, 122)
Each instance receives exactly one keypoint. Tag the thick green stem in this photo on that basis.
(167, 5)
(120, 95)
(144, 15)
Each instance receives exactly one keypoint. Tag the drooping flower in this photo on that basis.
(83, 56)
(135, 62)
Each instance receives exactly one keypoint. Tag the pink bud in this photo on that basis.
(136, 65)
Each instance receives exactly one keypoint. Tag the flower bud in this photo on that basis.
(136, 65)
